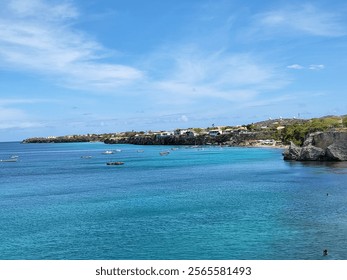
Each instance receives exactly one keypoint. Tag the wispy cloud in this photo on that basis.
(307, 19)
(38, 37)
(269, 101)
(31, 8)
(20, 125)
(295, 66)
(230, 76)
(11, 118)
(15, 101)
(316, 67)
(310, 67)
(7, 114)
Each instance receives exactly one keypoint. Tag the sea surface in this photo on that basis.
(194, 203)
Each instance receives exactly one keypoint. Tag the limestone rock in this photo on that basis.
(320, 146)
(311, 153)
(292, 153)
(337, 151)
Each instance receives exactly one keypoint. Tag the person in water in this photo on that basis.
(325, 252)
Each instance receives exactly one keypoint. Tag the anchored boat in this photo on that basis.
(115, 163)
(9, 160)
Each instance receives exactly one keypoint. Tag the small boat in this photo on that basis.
(14, 156)
(86, 157)
(9, 160)
(174, 149)
(108, 152)
(140, 151)
(115, 163)
(164, 153)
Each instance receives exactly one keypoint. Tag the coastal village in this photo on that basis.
(262, 133)
(273, 133)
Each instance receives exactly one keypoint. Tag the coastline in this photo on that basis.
(272, 133)
(241, 145)
(231, 140)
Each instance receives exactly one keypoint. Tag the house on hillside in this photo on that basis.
(165, 134)
(215, 132)
(179, 132)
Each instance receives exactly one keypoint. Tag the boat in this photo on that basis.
(140, 151)
(9, 160)
(164, 153)
(108, 152)
(115, 163)
(86, 157)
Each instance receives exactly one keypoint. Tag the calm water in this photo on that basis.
(211, 203)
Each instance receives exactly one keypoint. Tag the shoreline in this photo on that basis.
(241, 145)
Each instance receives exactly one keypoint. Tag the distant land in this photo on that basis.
(272, 132)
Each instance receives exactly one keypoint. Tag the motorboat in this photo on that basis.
(9, 160)
(115, 163)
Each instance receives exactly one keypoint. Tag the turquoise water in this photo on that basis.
(211, 203)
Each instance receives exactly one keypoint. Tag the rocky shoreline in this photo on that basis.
(231, 140)
(319, 146)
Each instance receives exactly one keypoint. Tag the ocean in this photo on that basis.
(193, 203)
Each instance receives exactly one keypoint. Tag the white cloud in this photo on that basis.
(305, 18)
(310, 67)
(316, 67)
(36, 37)
(184, 118)
(295, 66)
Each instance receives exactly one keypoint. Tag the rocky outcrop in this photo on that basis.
(312, 153)
(320, 146)
(170, 140)
(337, 151)
(292, 153)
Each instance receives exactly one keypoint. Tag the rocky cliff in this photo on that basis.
(170, 140)
(320, 146)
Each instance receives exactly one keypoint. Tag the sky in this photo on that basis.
(100, 66)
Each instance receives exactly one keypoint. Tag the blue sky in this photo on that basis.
(94, 66)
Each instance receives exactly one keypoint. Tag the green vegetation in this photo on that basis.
(344, 121)
(250, 127)
(297, 132)
(198, 130)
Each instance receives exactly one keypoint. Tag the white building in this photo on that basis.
(215, 132)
